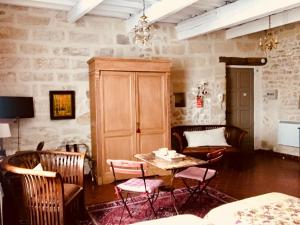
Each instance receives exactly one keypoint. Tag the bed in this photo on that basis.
(268, 209)
(272, 208)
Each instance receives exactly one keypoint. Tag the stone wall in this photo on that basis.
(282, 74)
(40, 51)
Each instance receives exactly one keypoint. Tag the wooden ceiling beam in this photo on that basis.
(279, 19)
(81, 8)
(233, 14)
(159, 10)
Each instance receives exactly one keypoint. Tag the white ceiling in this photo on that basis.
(192, 17)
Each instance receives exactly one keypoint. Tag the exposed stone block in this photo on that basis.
(33, 49)
(83, 37)
(33, 20)
(122, 39)
(48, 35)
(83, 76)
(14, 63)
(104, 52)
(201, 48)
(76, 51)
(8, 32)
(51, 63)
(8, 47)
(7, 76)
(79, 64)
(7, 17)
(43, 76)
(63, 77)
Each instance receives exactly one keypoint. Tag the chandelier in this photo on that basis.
(142, 31)
(269, 41)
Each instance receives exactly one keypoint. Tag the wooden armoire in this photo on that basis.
(130, 107)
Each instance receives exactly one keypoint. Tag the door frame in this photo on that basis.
(257, 101)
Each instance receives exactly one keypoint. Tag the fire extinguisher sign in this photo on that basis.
(199, 101)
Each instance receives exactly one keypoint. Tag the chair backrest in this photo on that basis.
(68, 164)
(118, 166)
(215, 156)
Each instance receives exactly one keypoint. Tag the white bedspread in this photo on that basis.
(268, 209)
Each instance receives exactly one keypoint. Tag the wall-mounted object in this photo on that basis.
(179, 99)
(62, 105)
(272, 94)
(4, 133)
(12, 107)
(201, 92)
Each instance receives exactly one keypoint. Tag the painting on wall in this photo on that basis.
(62, 105)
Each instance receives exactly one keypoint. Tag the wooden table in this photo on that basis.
(172, 165)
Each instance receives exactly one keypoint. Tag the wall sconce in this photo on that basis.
(202, 89)
(201, 92)
(4, 133)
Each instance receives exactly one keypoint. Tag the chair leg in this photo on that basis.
(150, 200)
(125, 204)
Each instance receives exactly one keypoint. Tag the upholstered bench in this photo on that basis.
(233, 139)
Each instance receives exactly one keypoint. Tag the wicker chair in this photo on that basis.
(52, 194)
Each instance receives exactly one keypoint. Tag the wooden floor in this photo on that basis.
(247, 176)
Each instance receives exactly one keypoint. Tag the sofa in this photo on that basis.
(233, 136)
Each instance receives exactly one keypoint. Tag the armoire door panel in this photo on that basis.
(118, 101)
(121, 147)
(151, 101)
(151, 142)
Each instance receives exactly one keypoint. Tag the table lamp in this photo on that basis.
(4, 132)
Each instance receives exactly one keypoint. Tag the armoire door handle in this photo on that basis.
(138, 130)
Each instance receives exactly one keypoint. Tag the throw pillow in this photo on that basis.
(38, 167)
(213, 137)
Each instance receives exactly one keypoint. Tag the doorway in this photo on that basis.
(240, 102)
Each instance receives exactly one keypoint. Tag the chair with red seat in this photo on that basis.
(203, 176)
(140, 185)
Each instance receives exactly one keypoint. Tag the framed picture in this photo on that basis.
(62, 105)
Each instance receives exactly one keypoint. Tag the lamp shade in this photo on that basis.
(4, 130)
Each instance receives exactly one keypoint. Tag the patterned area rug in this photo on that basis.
(110, 213)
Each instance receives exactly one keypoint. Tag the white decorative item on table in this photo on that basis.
(168, 155)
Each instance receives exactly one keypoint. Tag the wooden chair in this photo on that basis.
(142, 185)
(88, 157)
(53, 193)
(203, 176)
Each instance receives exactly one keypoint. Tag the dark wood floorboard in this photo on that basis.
(241, 177)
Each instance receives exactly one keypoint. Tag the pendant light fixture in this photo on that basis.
(269, 41)
(142, 31)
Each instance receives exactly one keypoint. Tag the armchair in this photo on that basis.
(52, 194)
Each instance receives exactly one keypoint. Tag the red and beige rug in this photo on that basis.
(110, 213)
